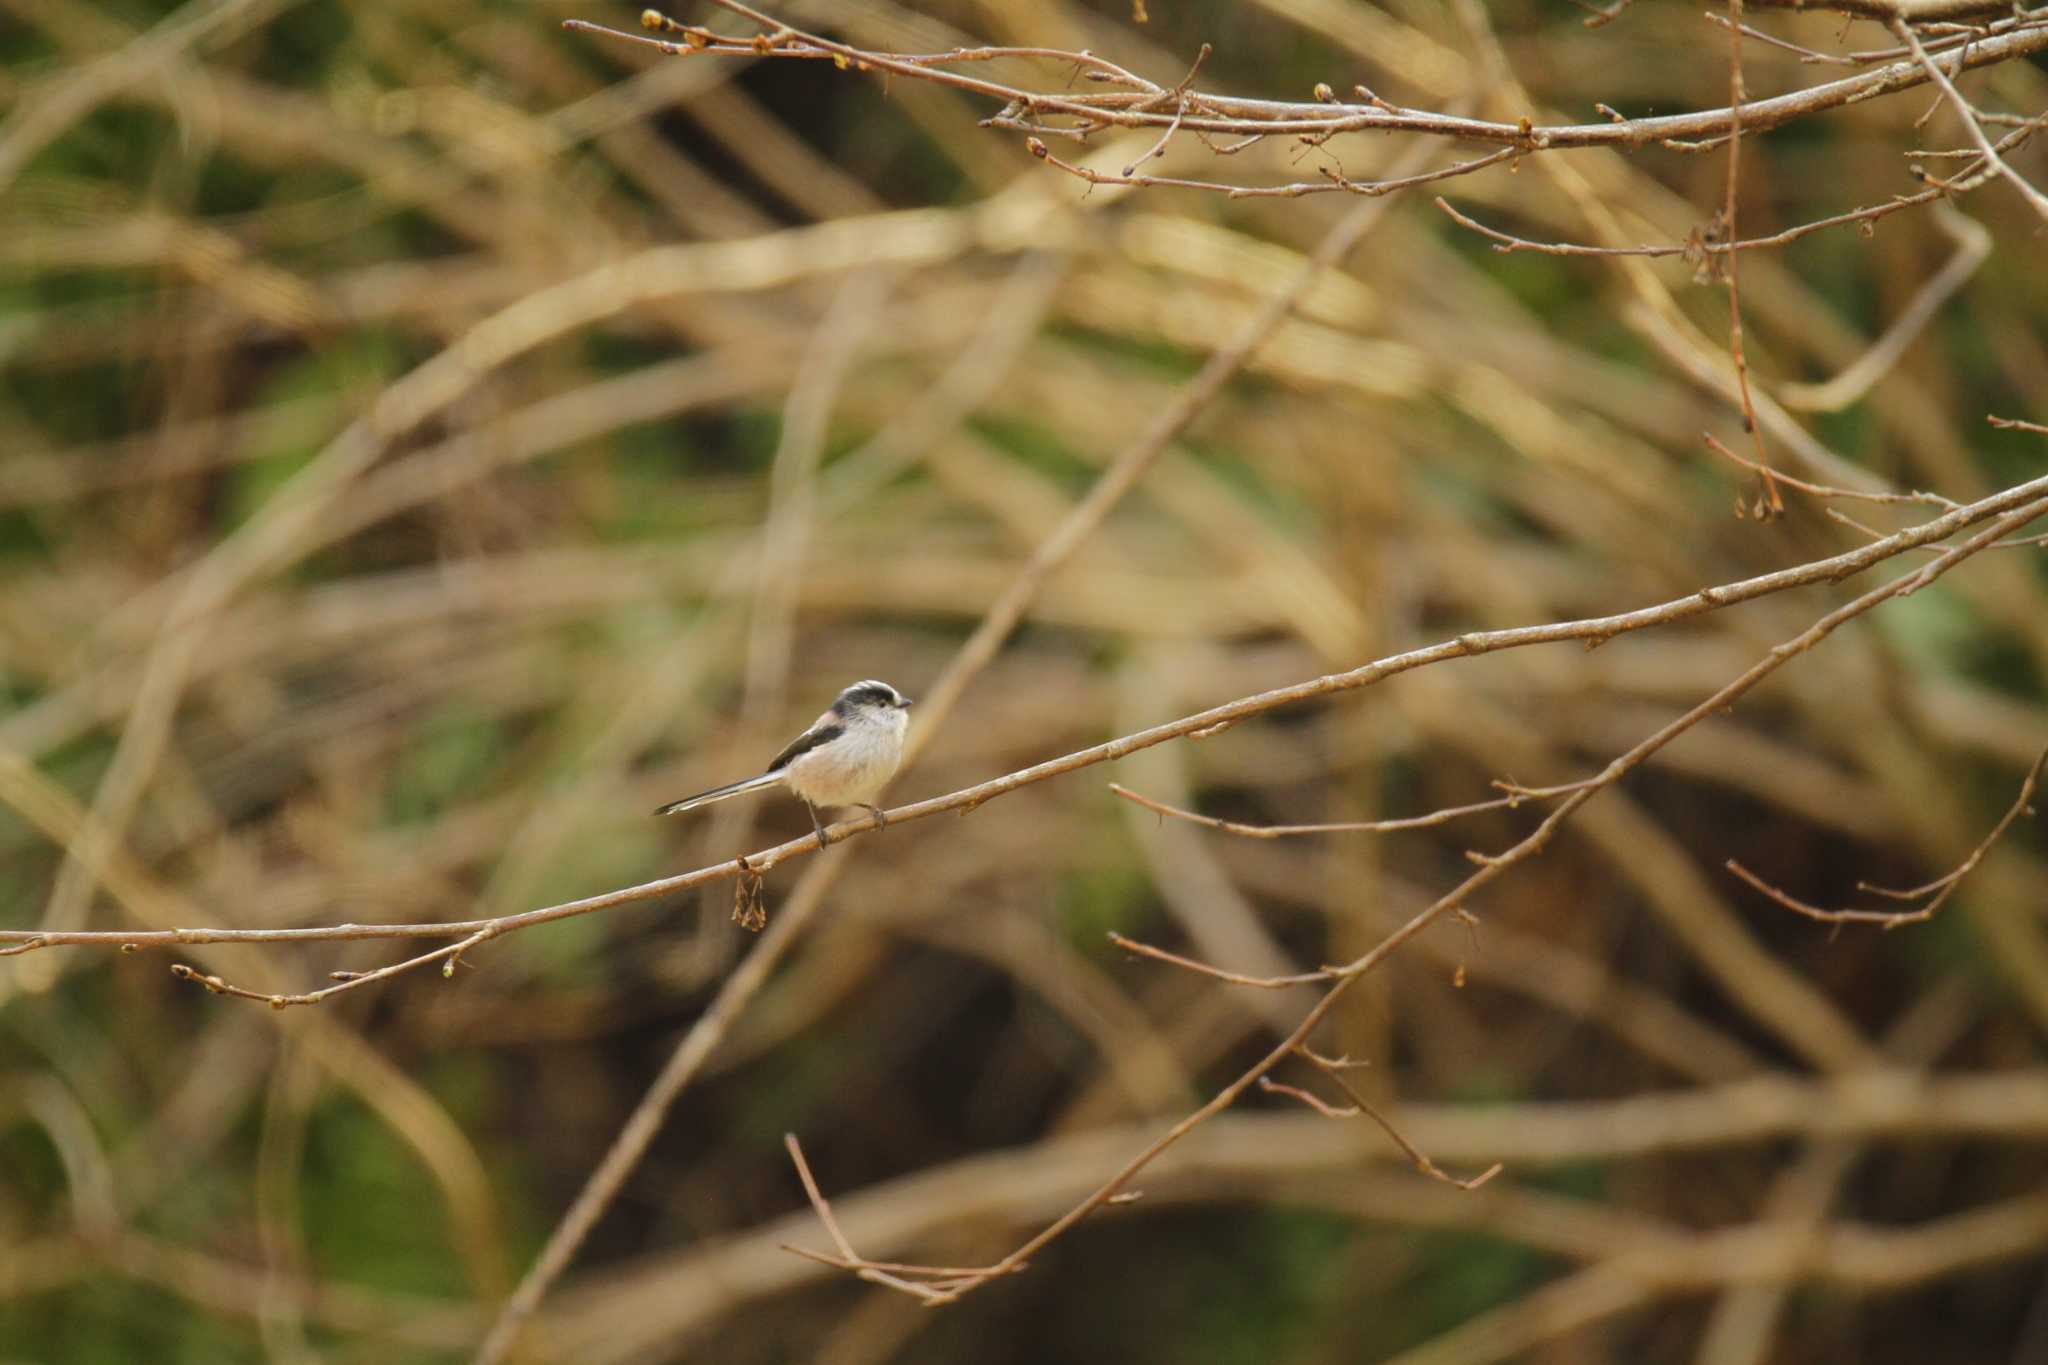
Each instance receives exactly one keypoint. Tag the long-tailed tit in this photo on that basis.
(845, 758)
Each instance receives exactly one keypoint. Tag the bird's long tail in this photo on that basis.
(720, 793)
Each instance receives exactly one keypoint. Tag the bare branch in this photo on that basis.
(1971, 178)
(2026, 497)
(1335, 1072)
(1821, 490)
(1312, 1100)
(1941, 888)
(2008, 21)
(447, 956)
(1239, 117)
(1332, 183)
(1441, 817)
(1911, 11)
(2012, 543)
(875, 1272)
(1770, 503)
(1968, 115)
(1270, 983)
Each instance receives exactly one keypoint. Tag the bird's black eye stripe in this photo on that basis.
(871, 694)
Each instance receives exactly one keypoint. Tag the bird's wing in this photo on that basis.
(823, 731)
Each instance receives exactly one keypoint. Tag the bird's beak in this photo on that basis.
(908, 703)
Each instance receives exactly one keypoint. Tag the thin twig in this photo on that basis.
(1870, 56)
(1434, 818)
(1770, 503)
(1968, 115)
(1599, 16)
(2014, 543)
(1941, 888)
(1821, 490)
(1269, 983)
(1969, 179)
(1805, 54)
(849, 1258)
(1332, 183)
(1415, 1154)
(447, 956)
(1309, 1098)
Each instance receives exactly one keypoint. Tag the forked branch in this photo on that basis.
(1937, 891)
(1333, 1070)
(933, 1284)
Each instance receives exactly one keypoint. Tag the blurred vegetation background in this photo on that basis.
(429, 440)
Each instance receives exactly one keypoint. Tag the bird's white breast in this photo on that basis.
(852, 769)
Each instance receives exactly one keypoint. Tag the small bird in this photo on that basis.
(845, 758)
